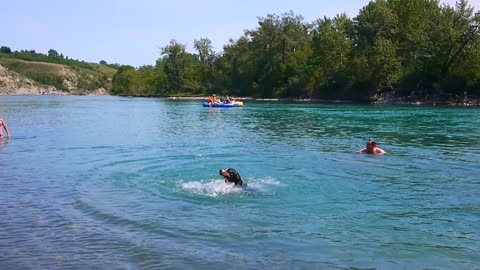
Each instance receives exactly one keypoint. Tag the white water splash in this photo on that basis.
(216, 187)
(212, 188)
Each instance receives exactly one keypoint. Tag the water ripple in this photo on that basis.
(140, 188)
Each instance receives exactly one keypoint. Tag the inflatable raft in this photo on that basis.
(224, 105)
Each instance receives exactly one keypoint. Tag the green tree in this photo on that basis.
(458, 29)
(160, 79)
(123, 81)
(53, 53)
(332, 47)
(375, 20)
(175, 65)
(413, 43)
(376, 27)
(5, 49)
(416, 20)
(272, 47)
(148, 81)
(207, 60)
(386, 64)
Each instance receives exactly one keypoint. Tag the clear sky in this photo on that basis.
(132, 32)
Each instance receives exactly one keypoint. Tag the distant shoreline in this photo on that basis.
(397, 101)
(312, 100)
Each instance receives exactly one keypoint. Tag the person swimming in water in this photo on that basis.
(231, 176)
(3, 125)
(371, 148)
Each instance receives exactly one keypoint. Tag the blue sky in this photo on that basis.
(132, 32)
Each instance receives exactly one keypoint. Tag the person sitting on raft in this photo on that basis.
(371, 148)
(213, 99)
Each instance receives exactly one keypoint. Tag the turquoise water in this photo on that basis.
(132, 183)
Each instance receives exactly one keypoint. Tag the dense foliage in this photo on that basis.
(414, 48)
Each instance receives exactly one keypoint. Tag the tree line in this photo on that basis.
(416, 48)
(52, 56)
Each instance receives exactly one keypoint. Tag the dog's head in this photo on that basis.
(224, 173)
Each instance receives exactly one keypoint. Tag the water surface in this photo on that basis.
(132, 183)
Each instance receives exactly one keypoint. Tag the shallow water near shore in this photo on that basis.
(132, 183)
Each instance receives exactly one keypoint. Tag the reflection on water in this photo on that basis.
(4, 141)
(133, 183)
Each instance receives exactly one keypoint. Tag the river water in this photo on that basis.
(99, 182)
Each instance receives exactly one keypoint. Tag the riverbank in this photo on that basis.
(457, 101)
(29, 88)
(468, 102)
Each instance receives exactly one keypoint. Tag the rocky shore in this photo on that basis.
(13, 83)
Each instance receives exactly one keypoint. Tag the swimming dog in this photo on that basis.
(231, 176)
